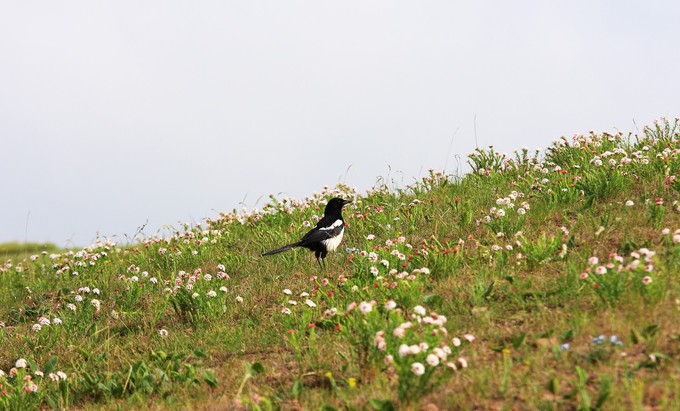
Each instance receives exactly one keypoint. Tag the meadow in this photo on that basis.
(541, 280)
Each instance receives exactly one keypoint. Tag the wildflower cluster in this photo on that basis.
(617, 274)
(415, 345)
(25, 384)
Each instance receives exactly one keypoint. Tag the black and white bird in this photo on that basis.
(325, 236)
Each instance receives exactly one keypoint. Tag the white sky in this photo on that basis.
(115, 113)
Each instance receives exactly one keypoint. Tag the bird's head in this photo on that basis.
(335, 205)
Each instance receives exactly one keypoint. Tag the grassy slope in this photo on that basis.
(519, 294)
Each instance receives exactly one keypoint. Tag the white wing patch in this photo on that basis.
(333, 243)
(332, 226)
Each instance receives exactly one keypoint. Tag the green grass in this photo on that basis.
(538, 281)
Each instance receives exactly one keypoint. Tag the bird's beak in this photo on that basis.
(345, 202)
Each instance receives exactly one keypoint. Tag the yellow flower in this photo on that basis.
(328, 374)
(352, 382)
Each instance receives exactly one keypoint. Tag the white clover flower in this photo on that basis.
(78, 298)
(418, 368)
(61, 375)
(629, 203)
(43, 321)
(441, 353)
(71, 306)
(432, 360)
(310, 303)
(469, 337)
(56, 320)
(36, 327)
(239, 299)
(390, 305)
(21, 363)
(223, 289)
(420, 310)
(96, 304)
(207, 277)
(286, 311)
(212, 293)
(404, 350)
(456, 342)
(287, 292)
(163, 333)
(153, 280)
(330, 312)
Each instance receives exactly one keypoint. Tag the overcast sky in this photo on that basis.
(121, 112)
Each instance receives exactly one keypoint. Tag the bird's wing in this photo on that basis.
(323, 232)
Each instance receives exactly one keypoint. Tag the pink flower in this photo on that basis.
(647, 280)
(601, 270)
(463, 362)
(399, 332)
(365, 307)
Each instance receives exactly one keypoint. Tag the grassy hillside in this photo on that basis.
(538, 281)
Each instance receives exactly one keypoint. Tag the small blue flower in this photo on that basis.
(599, 339)
(565, 346)
(615, 340)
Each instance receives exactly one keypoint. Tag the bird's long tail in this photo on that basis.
(282, 249)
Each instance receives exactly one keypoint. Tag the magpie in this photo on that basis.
(325, 236)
